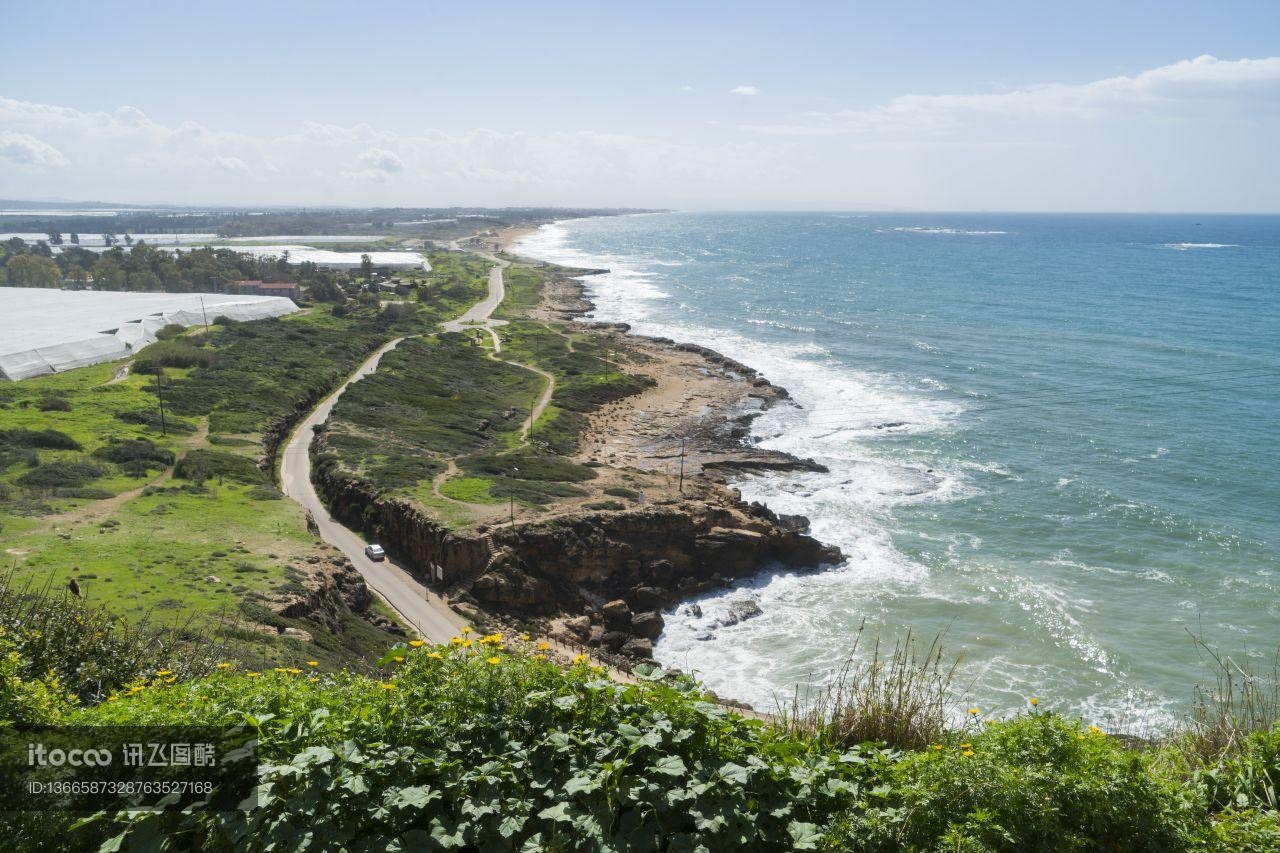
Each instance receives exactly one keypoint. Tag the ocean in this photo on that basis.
(1052, 439)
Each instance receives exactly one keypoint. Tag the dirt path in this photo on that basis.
(99, 511)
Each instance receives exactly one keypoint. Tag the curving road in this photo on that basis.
(416, 605)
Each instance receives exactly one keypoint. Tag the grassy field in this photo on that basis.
(447, 399)
(178, 524)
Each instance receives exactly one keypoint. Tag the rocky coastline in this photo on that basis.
(602, 578)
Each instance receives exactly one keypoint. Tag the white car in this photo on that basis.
(375, 553)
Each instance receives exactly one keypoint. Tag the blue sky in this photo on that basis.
(1033, 106)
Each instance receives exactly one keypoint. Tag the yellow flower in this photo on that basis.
(492, 640)
(294, 671)
(973, 712)
(524, 637)
(281, 669)
(539, 657)
(456, 641)
(386, 685)
(466, 629)
(1034, 701)
(966, 746)
(580, 659)
(417, 644)
(968, 753)
(398, 659)
(543, 646)
(251, 674)
(163, 672)
(466, 644)
(313, 663)
(171, 679)
(112, 698)
(938, 747)
(1079, 737)
(224, 666)
(435, 655)
(1095, 730)
(493, 661)
(313, 679)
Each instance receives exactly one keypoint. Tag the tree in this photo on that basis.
(366, 267)
(108, 274)
(55, 238)
(32, 271)
(75, 238)
(128, 241)
(109, 240)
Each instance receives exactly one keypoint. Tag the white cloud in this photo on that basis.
(381, 160)
(1197, 134)
(1204, 81)
(230, 164)
(686, 88)
(26, 150)
(744, 90)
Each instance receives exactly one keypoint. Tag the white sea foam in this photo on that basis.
(921, 229)
(1182, 247)
(807, 620)
(839, 410)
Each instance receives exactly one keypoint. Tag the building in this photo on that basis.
(265, 288)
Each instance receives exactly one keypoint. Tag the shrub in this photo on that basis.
(1248, 778)
(497, 751)
(1037, 782)
(135, 455)
(172, 353)
(61, 474)
(45, 439)
(201, 465)
(170, 331)
(52, 403)
(150, 418)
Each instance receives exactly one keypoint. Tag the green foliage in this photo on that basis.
(135, 455)
(28, 700)
(47, 439)
(61, 474)
(53, 403)
(57, 645)
(1037, 782)
(179, 353)
(497, 751)
(201, 465)
(1249, 777)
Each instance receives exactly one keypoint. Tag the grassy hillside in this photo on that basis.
(447, 407)
(145, 487)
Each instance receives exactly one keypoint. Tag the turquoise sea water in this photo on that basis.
(1052, 437)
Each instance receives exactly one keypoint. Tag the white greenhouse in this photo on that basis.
(48, 331)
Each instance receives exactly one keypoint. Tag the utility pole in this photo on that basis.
(164, 430)
(531, 405)
(682, 466)
(514, 471)
(205, 314)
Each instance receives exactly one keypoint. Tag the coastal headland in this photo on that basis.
(567, 477)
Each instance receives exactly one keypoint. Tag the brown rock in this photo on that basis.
(638, 647)
(579, 626)
(647, 625)
(616, 613)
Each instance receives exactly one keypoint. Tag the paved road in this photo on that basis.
(417, 605)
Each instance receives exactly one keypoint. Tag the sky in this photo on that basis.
(1046, 106)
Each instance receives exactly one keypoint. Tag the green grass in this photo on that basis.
(473, 490)
(443, 398)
